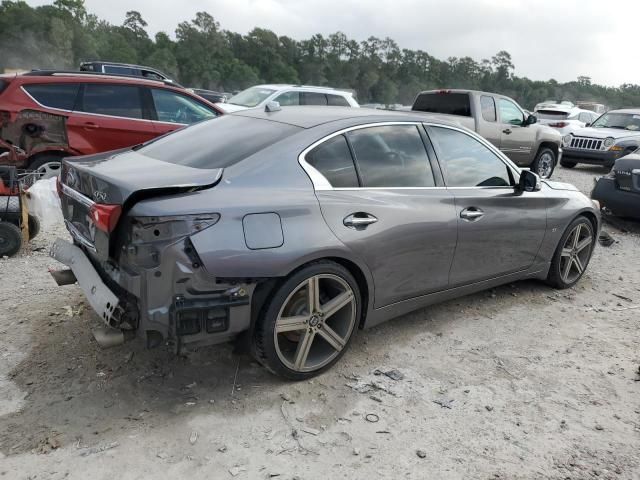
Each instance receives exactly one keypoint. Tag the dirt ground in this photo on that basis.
(521, 382)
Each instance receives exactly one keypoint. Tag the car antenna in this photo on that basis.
(272, 106)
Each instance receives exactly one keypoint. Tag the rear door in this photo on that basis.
(382, 198)
(499, 231)
(108, 117)
(516, 140)
(172, 110)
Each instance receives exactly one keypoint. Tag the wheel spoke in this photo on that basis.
(302, 352)
(337, 303)
(566, 252)
(576, 237)
(313, 287)
(584, 244)
(332, 338)
(578, 264)
(291, 324)
(567, 270)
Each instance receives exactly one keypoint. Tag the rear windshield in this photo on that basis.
(217, 143)
(447, 103)
(551, 114)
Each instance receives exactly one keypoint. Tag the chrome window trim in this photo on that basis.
(320, 182)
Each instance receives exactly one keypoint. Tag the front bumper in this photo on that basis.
(592, 157)
(100, 297)
(620, 202)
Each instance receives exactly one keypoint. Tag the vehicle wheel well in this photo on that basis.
(550, 145)
(265, 289)
(592, 219)
(53, 153)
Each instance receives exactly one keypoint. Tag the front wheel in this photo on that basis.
(10, 239)
(309, 321)
(545, 163)
(572, 254)
(47, 166)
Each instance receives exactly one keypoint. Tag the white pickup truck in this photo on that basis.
(500, 120)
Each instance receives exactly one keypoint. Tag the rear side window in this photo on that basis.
(121, 70)
(312, 98)
(467, 162)
(337, 101)
(62, 95)
(217, 143)
(446, 103)
(391, 156)
(488, 106)
(112, 100)
(333, 159)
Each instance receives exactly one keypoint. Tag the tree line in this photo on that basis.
(204, 55)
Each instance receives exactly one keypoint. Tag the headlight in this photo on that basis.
(566, 140)
(609, 141)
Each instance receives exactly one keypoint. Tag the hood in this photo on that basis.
(560, 186)
(602, 133)
(230, 107)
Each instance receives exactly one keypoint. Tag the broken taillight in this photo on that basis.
(105, 217)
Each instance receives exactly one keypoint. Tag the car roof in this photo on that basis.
(283, 86)
(631, 111)
(46, 76)
(312, 116)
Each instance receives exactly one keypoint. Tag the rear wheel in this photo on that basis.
(309, 321)
(545, 163)
(567, 164)
(34, 226)
(47, 166)
(572, 254)
(10, 239)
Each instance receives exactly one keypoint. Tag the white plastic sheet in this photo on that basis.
(44, 203)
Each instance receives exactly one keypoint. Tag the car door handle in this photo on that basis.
(90, 125)
(471, 214)
(507, 131)
(359, 220)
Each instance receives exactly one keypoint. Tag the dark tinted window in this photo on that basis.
(337, 101)
(312, 98)
(467, 162)
(391, 156)
(288, 99)
(217, 143)
(121, 70)
(448, 103)
(62, 95)
(113, 100)
(488, 106)
(3, 84)
(333, 159)
(173, 107)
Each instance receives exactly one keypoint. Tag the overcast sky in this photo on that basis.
(558, 39)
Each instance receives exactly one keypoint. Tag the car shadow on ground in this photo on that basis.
(77, 393)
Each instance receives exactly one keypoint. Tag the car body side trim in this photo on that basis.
(77, 196)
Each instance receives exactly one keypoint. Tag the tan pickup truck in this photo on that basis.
(500, 120)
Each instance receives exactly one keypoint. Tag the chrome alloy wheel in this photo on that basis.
(49, 169)
(545, 165)
(315, 323)
(575, 253)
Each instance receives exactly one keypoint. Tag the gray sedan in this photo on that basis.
(302, 225)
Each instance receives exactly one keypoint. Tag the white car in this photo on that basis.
(287, 95)
(564, 117)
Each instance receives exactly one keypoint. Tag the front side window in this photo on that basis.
(313, 98)
(62, 95)
(510, 113)
(391, 156)
(288, 99)
(251, 97)
(488, 106)
(333, 159)
(112, 100)
(172, 107)
(467, 162)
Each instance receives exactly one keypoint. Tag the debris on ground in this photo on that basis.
(392, 374)
(421, 453)
(99, 449)
(372, 418)
(444, 402)
(237, 470)
(193, 438)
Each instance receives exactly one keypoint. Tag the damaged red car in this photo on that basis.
(48, 115)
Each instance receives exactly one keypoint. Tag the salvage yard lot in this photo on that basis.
(518, 382)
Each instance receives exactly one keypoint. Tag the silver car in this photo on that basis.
(303, 225)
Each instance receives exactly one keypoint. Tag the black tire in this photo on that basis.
(555, 277)
(263, 339)
(48, 164)
(10, 239)
(545, 163)
(34, 226)
(567, 164)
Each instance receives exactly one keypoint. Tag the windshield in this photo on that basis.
(251, 96)
(622, 121)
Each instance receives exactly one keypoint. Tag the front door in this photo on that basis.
(516, 139)
(385, 205)
(499, 231)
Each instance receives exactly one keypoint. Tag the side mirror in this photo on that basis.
(529, 182)
(588, 124)
(531, 119)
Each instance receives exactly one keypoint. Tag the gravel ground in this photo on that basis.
(521, 382)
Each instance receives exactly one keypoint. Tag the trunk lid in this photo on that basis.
(627, 173)
(111, 183)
